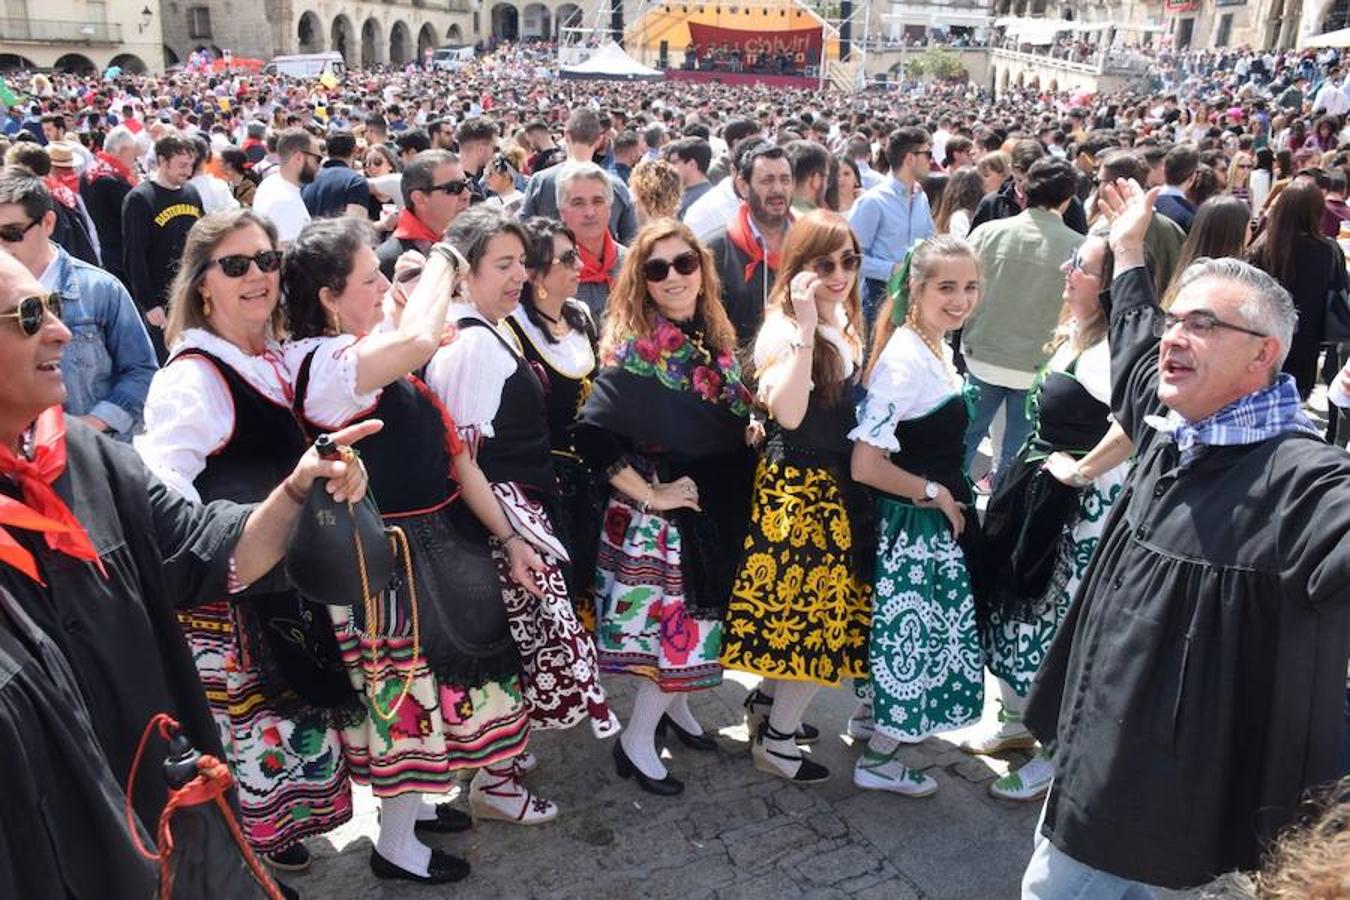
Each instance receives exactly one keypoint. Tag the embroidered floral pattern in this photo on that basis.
(682, 363)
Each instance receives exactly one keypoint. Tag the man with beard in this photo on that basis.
(746, 250)
(891, 217)
(156, 217)
(278, 197)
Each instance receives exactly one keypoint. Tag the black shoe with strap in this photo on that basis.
(809, 772)
(448, 821)
(442, 869)
(757, 705)
(688, 738)
(665, 787)
(294, 858)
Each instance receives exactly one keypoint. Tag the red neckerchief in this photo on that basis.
(744, 238)
(411, 228)
(61, 193)
(595, 271)
(41, 508)
(104, 165)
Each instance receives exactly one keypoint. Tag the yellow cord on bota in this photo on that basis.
(370, 658)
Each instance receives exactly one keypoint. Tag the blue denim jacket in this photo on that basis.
(108, 364)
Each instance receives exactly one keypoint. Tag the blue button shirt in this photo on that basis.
(888, 219)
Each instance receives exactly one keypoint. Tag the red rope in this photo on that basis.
(212, 783)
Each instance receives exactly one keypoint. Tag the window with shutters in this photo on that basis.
(199, 21)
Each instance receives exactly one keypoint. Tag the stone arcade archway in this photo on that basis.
(372, 43)
(342, 37)
(505, 22)
(309, 34)
(426, 40)
(400, 44)
(74, 64)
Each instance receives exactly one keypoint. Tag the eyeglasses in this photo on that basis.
(32, 311)
(453, 188)
(686, 263)
(12, 234)
(1075, 264)
(1200, 323)
(824, 266)
(927, 154)
(570, 258)
(312, 155)
(408, 275)
(236, 264)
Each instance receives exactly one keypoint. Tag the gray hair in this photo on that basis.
(118, 139)
(576, 171)
(1267, 308)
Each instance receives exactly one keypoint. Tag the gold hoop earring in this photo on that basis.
(206, 307)
(337, 321)
(543, 293)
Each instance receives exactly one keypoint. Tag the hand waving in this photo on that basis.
(1129, 209)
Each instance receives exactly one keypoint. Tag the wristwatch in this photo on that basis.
(931, 489)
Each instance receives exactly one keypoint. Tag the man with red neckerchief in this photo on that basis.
(97, 554)
(434, 192)
(746, 250)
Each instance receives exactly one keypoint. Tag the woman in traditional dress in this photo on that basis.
(559, 338)
(219, 425)
(666, 420)
(799, 610)
(498, 404)
(1043, 523)
(926, 670)
(444, 695)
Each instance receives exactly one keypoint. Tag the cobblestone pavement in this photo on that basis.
(735, 833)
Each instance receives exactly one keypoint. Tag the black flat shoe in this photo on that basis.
(666, 787)
(294, 858)
(688, 738)
(442, 869)
(448, 821)
(806, 732)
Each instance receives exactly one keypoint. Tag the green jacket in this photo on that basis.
(1020, 260)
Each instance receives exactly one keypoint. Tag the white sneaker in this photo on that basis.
(1029, 783)
(500, 796)
(1011, 734)
(526, 762)
(877, 773)
(861, 725)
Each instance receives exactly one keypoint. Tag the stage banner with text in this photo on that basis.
(804, 41)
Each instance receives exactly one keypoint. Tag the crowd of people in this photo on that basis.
(660, 381)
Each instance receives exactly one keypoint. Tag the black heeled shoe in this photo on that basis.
(442, 869)
(688, 738)
(666, 787)
(806, 732)
(448, 821)
(808, 772)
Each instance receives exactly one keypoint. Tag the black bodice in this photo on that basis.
(933, 446)
(266, 444)
(1067, 416)
(822, 436)
(519, 449)
(407, 461)
(563, 394)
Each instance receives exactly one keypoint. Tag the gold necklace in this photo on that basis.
(933, 345)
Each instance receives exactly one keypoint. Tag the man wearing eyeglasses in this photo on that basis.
(1194, 692)
(108, 367)
(279, 197)
(435, 191)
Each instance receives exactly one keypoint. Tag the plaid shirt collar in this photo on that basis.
(1257, 417)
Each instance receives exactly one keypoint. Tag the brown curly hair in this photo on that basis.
(656, 183)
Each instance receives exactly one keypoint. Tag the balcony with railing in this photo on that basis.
(34, 31)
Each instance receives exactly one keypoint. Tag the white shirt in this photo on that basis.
(908, 382)
(215, 193)
(468, 374)
(774, 350)
(331, 398)
(713, 210)
(189, 413)
(571, 356)
(280, 201)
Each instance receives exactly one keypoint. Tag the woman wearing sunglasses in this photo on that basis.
(1046, 517)
(463, 668)
(499, 407)
(559, 338)
(666, 421)
(800, 606)
(219, 426)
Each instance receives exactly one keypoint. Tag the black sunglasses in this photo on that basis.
(687, 263)
(824, 266)
(12, 234)
(236, 264)
(32, 310)
(454, 188)
(569, 258)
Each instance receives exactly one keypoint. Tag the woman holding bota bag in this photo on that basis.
(432, 654)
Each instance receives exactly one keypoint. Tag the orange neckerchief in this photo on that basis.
(41, 508)
(744, 238)
(595, 271)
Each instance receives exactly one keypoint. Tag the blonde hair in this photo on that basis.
(629, 308)
(185, 306)
(657, 185)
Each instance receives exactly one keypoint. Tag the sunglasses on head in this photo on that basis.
(32, 310)
(12, 234)
(569, 258)
(687, 263)
(453, 188)
(236, 264)
(824, 266)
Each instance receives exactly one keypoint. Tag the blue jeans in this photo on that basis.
(1053, 874)
(1015, 431)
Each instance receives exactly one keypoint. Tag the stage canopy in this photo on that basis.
(611, 63)
(773, 27)
(1340, 38)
